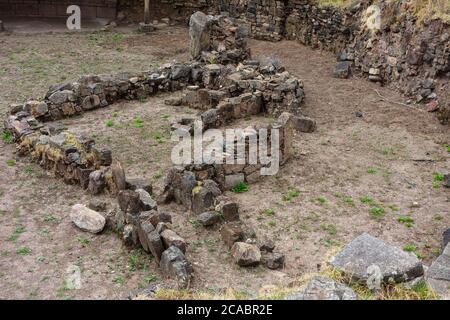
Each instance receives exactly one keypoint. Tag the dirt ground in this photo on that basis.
(353, 175)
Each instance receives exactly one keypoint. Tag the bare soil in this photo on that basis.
(384, 162)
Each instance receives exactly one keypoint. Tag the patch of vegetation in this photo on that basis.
(330, 228)
(393, 207)
(109, 123)
(50, 218)
(271, 223)
(268, 212)
(117, 37)
(321, 200)
(84, 241)
(10, 162)
(367, 200)
(23, 251)
(349, 201)
(158, 174)
(16, 234)
(7, 137)
(412, 249)
(437, 177)
(371, 170)
(240, 188)
(291, 195)
(406, 220)
(119, 280)
(377, 212)
(134, 260)
(446, 146)
(138, 123)
(158, 137)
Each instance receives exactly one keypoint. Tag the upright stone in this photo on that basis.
(199, 31)
(174, 264)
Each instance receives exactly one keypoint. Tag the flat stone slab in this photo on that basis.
(87, 219)
(438, 275)
(322, 288)
(366, 251)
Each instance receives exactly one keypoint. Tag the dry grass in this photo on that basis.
(431, 9)
(423, 9)
(419, 291)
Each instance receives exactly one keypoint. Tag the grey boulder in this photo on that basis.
(174, 264)
(87, 219)
(438, 275)
(366, 251)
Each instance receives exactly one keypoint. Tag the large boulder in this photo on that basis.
(174, 264)
(199, 31)
(87, 219)
(366, 251)
(321, 288)
(438, 275)
(245, 254)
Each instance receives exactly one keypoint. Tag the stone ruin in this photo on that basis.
(224, 84)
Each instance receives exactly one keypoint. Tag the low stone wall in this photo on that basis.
(106, 9)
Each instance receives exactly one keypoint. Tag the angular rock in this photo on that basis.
(97, 205)
(87, 219)
(97, 182)
(36, 108)
(59, 97)
(155, 244)
(304, 124)
(245, 255)
(129, 201)
(199, 31)
(342, 70)
(127, 235)
(102, 154)
(159, 217)
(322, 288)
(438, 275)
(365, 251)
(144, 228)
(274, 261)
(160, 227)
(228, 209)
(203, 197)
(134, 184)
(147, 202)
(170, 238)
(233, 180)
(118, 174)
(447, 180)
(174, 264)
(209, 218)
(231, 233)
(267, 245)
(445, 238)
